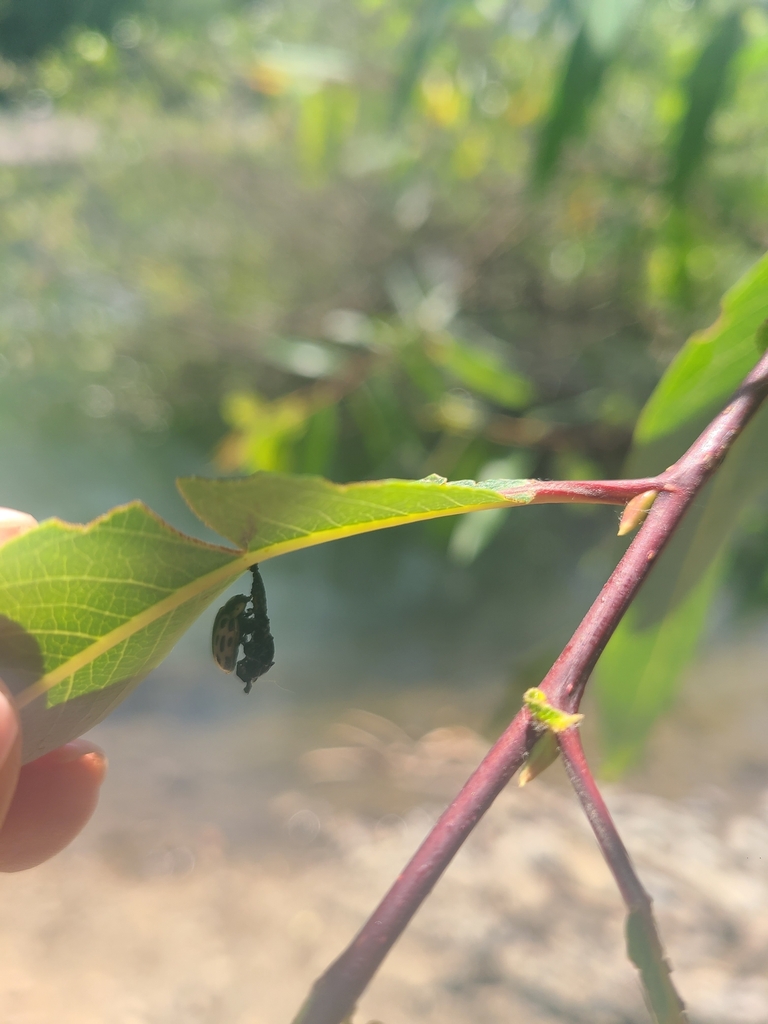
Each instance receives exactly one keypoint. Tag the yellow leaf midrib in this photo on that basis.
(132, 626)
(237, 566)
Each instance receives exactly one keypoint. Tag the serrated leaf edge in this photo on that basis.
(500, 499)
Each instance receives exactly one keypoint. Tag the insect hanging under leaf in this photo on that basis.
(243, 622)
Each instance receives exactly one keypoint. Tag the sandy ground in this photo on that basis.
(211, 887)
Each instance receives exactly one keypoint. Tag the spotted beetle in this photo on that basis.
(227, 632)
(238, 624)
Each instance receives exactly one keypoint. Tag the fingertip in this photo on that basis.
(13, 523)
(9, 726)
(54, 799)
(96, 764)
(10, 750)
(92, 756)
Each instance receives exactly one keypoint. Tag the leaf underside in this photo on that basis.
(87, 611)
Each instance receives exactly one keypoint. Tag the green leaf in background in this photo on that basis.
(606, 21)
(640, 669)
(263, 431)
(482, 371)
(639, 673)
(711, 363)
(475, 531)
(592, 51)
(579, 85)
(87, 611)
(326, 121)
(646, 952)
(314, 452)
(707, 87)
(431, 22)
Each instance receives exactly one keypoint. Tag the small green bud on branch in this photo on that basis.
(542, 711)
(554, 721)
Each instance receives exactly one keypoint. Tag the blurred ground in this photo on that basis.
(231, 860)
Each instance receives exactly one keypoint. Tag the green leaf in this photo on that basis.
(473, 534)
(326, 119)
(638, 675)
(431, 23)
(544, 753)
(87, 611)
(270, 513)
(640, 669)
(646, 952)
(315, 450)
(264, 432)
(607, 20)
(593, 50)
(579, 85)
(712, 362)
(482, 371)
(707, 87)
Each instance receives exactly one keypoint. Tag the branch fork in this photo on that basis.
(334, 995)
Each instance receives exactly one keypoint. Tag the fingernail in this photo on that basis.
(9, 726)
(77, 749)
(14, 523)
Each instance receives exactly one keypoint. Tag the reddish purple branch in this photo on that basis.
(608, 838)
(585, 492)
(336, 992)
(644, 945)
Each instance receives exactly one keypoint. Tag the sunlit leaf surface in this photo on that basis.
(272, 513)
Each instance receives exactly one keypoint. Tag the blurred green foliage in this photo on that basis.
(27, 29)
(366, 238)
